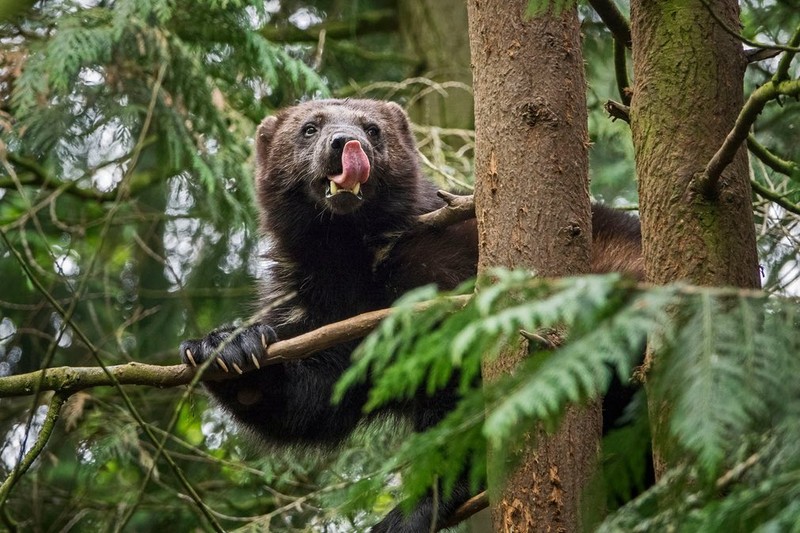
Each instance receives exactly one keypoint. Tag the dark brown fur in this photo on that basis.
(326, 264)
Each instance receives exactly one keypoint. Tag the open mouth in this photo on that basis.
(333, 189)
(354, 171)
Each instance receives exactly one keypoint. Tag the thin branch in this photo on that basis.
(618, 111)
(541, 340)
(38, 175)
(477, 503)
(755, 44)
(353, 48)
(754, 55)
(707, 183)
(71, 379)
(772, 196)
(735, 474)
(68, 380)
(621, 72)
(613, 18)
(782, 72)
(45, 431)
(458, 209)
(789, 168)
(376, 21)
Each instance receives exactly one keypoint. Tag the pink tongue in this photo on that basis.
(355, 166)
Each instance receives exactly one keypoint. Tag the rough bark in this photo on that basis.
(688, 76)
(532, 207)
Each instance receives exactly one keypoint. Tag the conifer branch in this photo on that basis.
(618, 111)
(621, 72)
(36, 174)
(458, 209)
(782, 72)
(735, 474)
(613, 18)
(707, 182)
(789, 168)
(773, 196)
(474, 505)
(46, 430)
(791, 47)
(376, 21)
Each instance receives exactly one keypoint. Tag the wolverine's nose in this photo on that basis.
(339, 140)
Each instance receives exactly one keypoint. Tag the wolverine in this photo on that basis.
(336, 180)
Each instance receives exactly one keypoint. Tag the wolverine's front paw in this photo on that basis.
(233, 349)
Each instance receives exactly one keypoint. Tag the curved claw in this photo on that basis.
(231, 349)
(190, 357)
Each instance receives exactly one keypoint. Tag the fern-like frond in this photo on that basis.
(580, 370)
(727, 378)
(721, 358)
(102, 63)
(725, 363)
(418, 351)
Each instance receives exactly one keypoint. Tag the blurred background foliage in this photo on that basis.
(126, 193)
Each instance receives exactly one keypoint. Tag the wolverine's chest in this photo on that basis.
(334, 284)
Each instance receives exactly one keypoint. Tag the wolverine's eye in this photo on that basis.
(309, 130)
(373, 131)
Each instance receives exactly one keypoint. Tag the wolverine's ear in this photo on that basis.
(266, 130)
(399, 116)
(264, 134)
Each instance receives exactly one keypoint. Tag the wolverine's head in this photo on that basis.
(337, 154)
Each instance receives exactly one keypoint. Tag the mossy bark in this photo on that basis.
(532, 207)
(688, 76)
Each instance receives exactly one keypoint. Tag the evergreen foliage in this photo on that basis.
(101, 67)
(726, 367)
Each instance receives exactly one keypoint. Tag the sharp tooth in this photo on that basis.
(356, 188)
(334, 188)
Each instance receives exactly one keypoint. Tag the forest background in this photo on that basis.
(127, 220)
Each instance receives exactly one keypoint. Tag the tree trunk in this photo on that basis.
(532, 206)
(688, 76)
